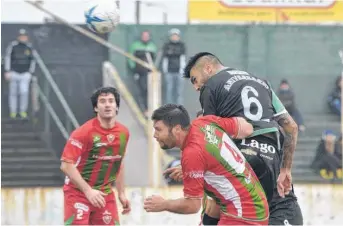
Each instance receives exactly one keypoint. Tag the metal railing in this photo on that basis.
(41, 90)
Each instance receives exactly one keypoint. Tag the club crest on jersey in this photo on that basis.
(110, 138)
(106, 217)
(96, 138)
(27, 52)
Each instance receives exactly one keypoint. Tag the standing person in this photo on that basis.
(92, 161)
(211, 163)
(173, 64)
(19, 67)
(228, 92)
(140, 49)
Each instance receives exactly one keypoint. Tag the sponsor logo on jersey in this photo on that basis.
(110, 138)
(196, 174)
(266, 157)
(98, 145)
(107, 157)
(75, 143)
(248, 152)
(107, 217)
(81, 206)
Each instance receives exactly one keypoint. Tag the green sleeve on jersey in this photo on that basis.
(277, 105)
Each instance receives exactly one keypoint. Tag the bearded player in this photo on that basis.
(92, 161)
(228, 92)
(211, 163)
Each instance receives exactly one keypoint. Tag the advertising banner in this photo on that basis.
(267, 11)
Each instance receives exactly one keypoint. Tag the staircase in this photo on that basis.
(307, 145)
(26, 159)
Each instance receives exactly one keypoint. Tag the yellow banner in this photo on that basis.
(269, 11)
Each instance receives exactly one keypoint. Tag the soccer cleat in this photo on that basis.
(23, 114)
(13, 115)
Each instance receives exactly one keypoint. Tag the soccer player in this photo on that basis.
(92, 161)
(211, 163)
(228, 92)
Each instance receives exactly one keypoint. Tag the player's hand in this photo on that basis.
(154, 203)
(7, 76)
(125, 204)
(96, 198)
(175, 173)
(284, 182)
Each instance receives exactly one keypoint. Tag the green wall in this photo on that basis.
(306, 55)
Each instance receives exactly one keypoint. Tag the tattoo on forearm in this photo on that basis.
(291, 135)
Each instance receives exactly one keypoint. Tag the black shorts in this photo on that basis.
(285, 212)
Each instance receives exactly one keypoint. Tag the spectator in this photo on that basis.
(334, 99)
(19, 67)
(173, 63)
(328, 160)
(286, 96)
(140, 49)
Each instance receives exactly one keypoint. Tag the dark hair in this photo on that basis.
(201, 112)
(102, 90)
(172, 115)
(284, 81)
(193, 60)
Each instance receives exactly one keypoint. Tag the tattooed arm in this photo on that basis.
(290, 129)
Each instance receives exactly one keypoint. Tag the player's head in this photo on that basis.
(23, 37)
(170, 122)
(106, 102)
(174, 35)
(145, 36)
(201, 67)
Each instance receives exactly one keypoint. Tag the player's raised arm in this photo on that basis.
(236, 127)
(290, 129)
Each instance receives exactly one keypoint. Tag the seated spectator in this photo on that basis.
(328, 162)
(334, 99)
(286, 96)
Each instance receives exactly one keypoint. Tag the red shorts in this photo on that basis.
(234, 221)
(79, 211)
